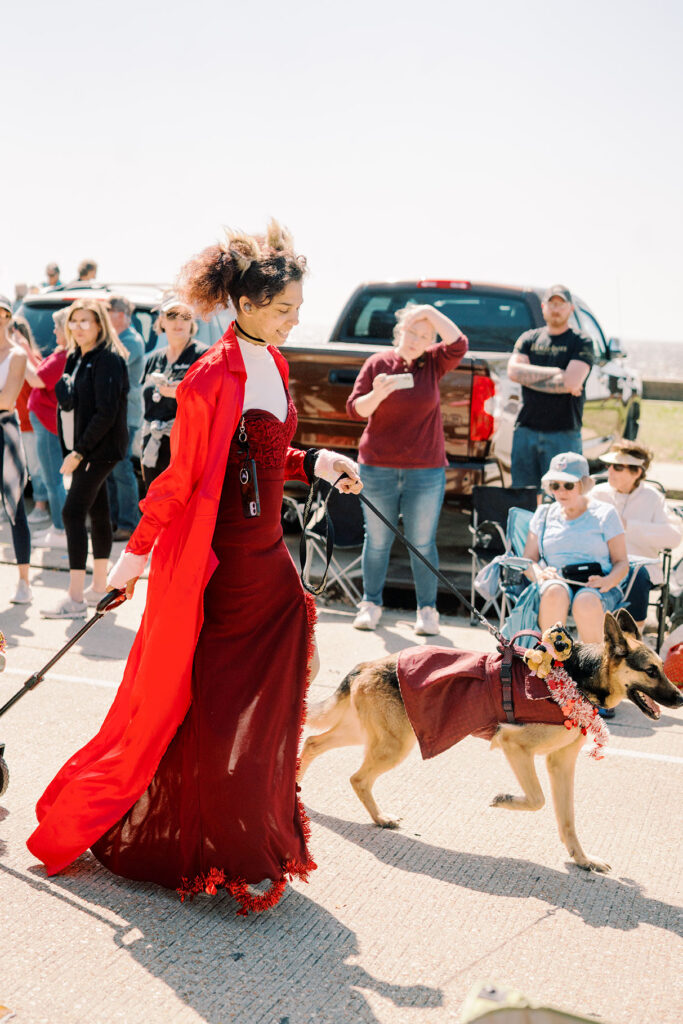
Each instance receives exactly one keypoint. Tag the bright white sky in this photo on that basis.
(519, 142)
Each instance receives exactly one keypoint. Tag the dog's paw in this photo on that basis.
(384, 821)
(502, 800)
(589, 863)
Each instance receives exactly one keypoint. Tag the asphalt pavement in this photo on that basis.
(394, 927)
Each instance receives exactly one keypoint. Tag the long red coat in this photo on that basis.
(105, 778)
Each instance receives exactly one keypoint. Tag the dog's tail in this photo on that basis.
(326, 713)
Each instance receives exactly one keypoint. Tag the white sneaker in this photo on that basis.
(67, 609)
(52, 538)
(368, 615)
(38, 515)
(93, 597)
(427, 621)
(23, 594)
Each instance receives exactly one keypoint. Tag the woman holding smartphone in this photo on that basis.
(164, 370)
(402, 453)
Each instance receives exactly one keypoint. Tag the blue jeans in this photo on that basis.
(50, 456)
(122, 485)
(417, 495)
(532, 451)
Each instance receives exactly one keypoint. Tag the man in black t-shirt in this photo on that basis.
(551, 363)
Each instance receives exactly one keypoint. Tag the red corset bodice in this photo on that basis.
(268, 437)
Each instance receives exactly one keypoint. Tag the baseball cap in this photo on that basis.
(622, 458)
(5, 303)
(557, 289)
(568, 466)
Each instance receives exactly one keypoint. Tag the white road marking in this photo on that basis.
(112, 685)
(106, 683)
(671, 758)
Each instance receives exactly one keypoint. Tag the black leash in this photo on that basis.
(323, 516)
(110, 600)
(329, 536)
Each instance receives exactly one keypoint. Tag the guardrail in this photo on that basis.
(663, 390)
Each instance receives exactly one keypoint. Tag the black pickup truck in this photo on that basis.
(479, 403)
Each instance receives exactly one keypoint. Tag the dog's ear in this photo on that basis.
(615, 642)
(627, 623)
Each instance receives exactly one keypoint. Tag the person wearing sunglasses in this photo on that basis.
(578, 551)
(164, 370)
(649, 525)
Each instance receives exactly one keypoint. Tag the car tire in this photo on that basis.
(632, 423)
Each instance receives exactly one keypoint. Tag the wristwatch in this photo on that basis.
(78, 456)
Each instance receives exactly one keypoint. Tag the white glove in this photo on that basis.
(323, 466)
(128, 567)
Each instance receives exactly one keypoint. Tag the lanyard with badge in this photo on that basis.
(251, 505)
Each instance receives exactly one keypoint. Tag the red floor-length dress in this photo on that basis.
(222, 807)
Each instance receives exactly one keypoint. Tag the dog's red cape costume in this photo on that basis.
(99, 784)
(452, 694)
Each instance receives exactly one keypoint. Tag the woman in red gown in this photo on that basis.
(190, 782)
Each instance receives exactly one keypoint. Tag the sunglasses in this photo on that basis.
(555, 485)
(619, 467)
(178, 316)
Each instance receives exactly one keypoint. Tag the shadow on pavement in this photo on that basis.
(601, 901)
(286, 966)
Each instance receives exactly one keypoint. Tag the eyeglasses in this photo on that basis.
(556, 485)
(82, 325)
(178, 316)
(619, 467)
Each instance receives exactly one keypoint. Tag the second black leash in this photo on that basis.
(411, 547)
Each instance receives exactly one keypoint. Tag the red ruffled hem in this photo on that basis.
(256, 903)
(250, 903)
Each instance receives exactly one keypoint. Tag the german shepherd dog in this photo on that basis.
(367, 709)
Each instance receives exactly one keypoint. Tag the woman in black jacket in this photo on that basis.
(92, 396)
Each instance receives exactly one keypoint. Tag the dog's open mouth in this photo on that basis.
(645, 703)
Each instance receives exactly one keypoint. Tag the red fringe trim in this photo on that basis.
(256, 903)
(250, 903)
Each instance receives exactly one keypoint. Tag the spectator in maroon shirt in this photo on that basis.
(42, 411)
(402, 453)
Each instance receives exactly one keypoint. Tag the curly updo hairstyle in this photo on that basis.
(251, 266)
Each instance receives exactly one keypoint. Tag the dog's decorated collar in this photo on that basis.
(545, 661)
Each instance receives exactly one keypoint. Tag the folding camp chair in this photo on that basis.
(490, 508)
(347, 518)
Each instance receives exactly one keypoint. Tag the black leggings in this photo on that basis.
(21, 535)
(88, 494)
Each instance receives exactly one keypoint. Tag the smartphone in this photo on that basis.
(403, 380)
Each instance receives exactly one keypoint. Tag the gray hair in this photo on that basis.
(401, 317)
(60, 317)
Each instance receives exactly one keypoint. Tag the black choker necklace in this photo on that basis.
(259, 341)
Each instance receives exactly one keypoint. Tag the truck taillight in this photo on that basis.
(481, 421)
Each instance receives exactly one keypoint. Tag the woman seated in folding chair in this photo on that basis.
(578, 551)
(649, 526)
